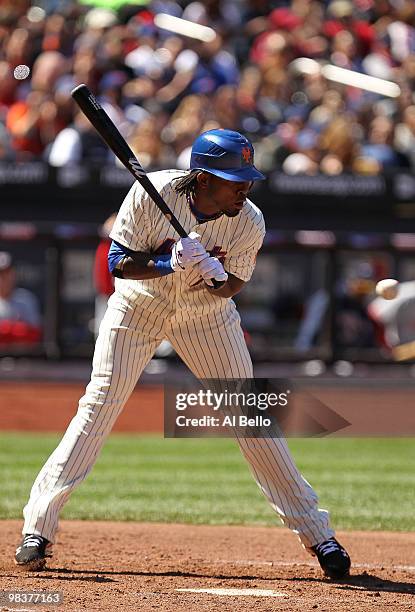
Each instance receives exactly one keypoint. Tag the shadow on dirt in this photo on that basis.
(359, 582)
(370, 582)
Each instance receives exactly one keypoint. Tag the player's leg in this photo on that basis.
(214, 347)
(121, 353)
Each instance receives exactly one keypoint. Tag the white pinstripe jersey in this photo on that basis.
(140, 226)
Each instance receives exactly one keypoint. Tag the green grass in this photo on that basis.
(366, 483)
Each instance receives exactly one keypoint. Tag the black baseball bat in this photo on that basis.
(112, 137)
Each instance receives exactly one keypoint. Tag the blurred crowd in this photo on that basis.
(20, 318)
(163, 89)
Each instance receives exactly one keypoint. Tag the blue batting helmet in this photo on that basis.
(225, 153)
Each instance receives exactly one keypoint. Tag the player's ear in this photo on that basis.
(203, 180)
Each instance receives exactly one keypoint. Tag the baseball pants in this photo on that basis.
(212, 346)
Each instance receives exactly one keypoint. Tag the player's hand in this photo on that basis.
(187, 252)
(211, 268)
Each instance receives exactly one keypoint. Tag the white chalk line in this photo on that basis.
(370, 566)
(236, 592)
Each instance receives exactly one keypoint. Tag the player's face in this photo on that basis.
(228, 196)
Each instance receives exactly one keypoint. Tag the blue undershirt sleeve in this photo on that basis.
(118, 251)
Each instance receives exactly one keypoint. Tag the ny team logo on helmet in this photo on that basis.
(247, 155)
(225, 153)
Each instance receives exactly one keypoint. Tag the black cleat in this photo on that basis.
(333, 558)
(32, 552)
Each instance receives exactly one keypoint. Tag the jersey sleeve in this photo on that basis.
(133, 224)
(242, 257)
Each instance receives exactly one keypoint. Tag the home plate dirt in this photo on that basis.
(184, 568)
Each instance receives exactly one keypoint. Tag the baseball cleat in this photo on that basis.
(32, 552)
(333, 558)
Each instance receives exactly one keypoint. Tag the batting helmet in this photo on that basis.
(225, 153)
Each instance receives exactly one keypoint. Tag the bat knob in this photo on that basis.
(217, 284)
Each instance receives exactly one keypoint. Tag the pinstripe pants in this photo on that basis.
(212, 346)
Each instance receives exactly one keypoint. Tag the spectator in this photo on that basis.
(225, 107)
(405, 135)
(110, 88)
(338, 146)
(147, 145)
(139, 70)
(23, 123)
(47, 69)
(20, 321)
(379, 143)
(8, 87)
(78, 143)
(184, 125)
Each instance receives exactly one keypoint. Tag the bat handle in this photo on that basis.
(216, 284)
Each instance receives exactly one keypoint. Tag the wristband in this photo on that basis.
(162, 263)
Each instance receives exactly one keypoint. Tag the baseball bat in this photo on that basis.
(112, 137)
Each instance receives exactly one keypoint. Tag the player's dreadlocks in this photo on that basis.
(187, 185)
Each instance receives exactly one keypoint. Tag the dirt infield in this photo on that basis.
(130, 566)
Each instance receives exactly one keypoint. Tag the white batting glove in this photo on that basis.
(211, 268)
(187, 252)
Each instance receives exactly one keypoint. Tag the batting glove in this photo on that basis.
(210, 269)
(187, 252)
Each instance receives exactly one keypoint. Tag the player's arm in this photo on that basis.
(125, 263)
(232, 286)
(137, 265)
(141, 266)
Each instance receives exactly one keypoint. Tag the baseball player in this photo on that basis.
(164, 290)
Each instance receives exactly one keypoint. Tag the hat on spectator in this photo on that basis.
(65, 84)
(98, 18)
(284, 19)
(5, 261)
(297, 163)
(307, 139)
(143, 23)
(340, 8)
(296, 110)
(115, 78)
